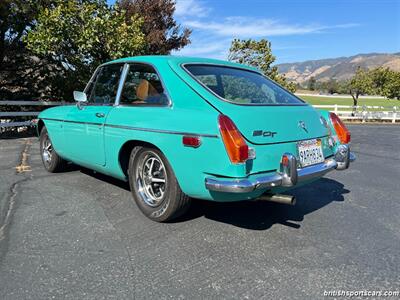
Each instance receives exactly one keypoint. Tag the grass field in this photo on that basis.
(315, 100)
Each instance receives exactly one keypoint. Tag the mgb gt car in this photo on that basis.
(179, 128)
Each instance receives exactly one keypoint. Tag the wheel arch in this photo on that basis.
(40, 126)
(125, 152)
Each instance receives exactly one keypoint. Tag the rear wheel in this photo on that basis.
(154, 186)
(52, 162)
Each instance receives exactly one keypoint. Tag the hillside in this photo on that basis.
(340, 68)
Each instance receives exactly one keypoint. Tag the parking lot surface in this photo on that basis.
(78, 235)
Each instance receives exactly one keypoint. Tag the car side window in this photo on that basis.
(103, 89)
(143, 86)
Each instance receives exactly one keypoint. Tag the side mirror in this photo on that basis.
(80, 96)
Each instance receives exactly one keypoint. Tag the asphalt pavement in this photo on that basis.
(78, 235)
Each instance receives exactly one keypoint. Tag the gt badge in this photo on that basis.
(264, 133)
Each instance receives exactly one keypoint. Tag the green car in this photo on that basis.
(179, 128)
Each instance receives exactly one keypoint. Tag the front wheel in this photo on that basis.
(52, 162)
(154, 186)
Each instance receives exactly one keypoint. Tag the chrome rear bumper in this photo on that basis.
(286, 177)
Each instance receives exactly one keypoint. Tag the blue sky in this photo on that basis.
(299, 30)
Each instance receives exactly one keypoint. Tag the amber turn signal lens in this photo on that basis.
(238, 150)
(341, 130)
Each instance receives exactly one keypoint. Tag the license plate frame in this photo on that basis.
(310, 152)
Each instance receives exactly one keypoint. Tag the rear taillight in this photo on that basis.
(341, 130)
(235, 144)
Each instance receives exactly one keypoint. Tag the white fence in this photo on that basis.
(364, 113)
(347, 96)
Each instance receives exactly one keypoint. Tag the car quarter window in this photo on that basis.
(143, 86)
(103, 88)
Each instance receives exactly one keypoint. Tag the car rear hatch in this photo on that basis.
(274, 130)
(269, 129)
(263, 125)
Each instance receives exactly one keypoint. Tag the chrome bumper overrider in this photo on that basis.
(288, 175)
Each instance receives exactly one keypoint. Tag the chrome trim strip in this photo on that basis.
(51, 119)
(121, 84)
(246, 185)
(91, 79)
(144, 105)
(84, 104)
(75, 122)
(284, 142)
(138, 128)
(162, 131)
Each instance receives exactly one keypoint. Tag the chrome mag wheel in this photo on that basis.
(52, 162)
(151, 179)
(154, 186)
(47, 151)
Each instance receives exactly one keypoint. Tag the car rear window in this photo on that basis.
(241, 86)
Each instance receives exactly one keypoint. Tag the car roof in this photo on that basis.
(179, 60)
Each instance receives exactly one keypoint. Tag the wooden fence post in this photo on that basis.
(394, 114)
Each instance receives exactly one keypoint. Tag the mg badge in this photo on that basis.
(302, 124)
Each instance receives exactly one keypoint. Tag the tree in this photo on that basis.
(15, 17)
(386, 82)
(258, 54)
(311, 84)
(50, 47)
(22, 75)
(80, 35)
(380, 77)
(360, 84)
(392, 88)
(332, 86)
(162, 33)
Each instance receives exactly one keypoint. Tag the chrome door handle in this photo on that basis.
(100, 115)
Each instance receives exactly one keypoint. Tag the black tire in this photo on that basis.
(52, 162)
(161, 202)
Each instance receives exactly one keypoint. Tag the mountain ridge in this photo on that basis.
(339, 68)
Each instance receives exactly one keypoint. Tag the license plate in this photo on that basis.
(310, 152)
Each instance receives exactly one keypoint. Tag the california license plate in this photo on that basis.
(310, 152)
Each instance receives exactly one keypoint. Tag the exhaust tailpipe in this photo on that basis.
(279, 198)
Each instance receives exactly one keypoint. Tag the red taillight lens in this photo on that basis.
(191, 141)
(235, 144)
(285, 160)
(341, 130)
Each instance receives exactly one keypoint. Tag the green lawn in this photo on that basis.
(315, 100)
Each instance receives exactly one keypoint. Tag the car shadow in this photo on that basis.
(261, 215)
(111, 180)
(253, 215)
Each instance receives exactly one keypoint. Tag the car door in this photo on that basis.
(84, 124)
